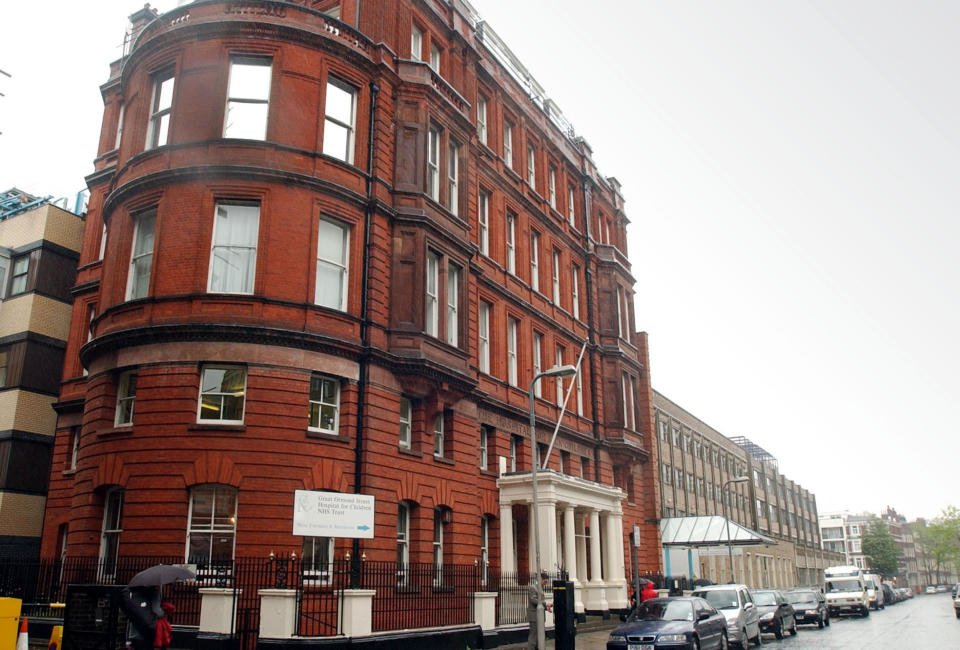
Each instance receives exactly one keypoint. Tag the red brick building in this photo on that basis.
(328, 246)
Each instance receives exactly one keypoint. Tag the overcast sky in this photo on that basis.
(791, 172)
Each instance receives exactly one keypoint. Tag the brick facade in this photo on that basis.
(413, 129)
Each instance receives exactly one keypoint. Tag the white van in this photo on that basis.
(846, 590)
(874, 590)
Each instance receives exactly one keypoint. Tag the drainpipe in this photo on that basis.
(364, 328)
(588, 275)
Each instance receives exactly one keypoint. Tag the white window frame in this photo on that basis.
(126, 399)
(433, 163)
(537, 364)
(483, 219)
(532, 167)
(230, 248)
(579, 394)
(319, 402)
(403, 543)
(512, 325)
(213, 530)
(110, 530)
(483, 336)
(438, 526)
(416, 43)
(571, 207)
(513, 453)
(482, 119)
(556, 277)
(484, 445)
(347, 155)
(453, 177)
(222, 395)
(559, 380)
(74, 445)
(432, 307)
(438, 435)
(575, 291)
(405, 436)
(511, 243)
(158, 127)
(5, 270)
(19, 274)
(321, 573)
(141, 255)
(552, 188)
(508, 144)
(434, 57)
(534, 260)
(263, 99)
(453, 304)
(340, 267)
(119, 133)
(484, 548)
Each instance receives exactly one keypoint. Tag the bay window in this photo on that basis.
(212, 524)
(161, 102)
(233, 255)
(248, 98)
(141, 256)
(333, 245)
(222, 395)
(324, 404)
(340, 119)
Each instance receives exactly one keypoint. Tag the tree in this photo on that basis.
(940, 539)
(883, 554)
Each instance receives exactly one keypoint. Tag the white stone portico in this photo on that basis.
(581, 530)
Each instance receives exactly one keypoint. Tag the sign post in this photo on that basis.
(636, 563)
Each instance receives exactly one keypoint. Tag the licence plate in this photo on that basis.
(639, 646)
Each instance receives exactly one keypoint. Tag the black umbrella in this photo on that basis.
(161, 574)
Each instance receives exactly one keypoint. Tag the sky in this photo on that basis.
(790, 171)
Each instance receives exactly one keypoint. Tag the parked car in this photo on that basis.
(956, 601)
(677, 622)
(930, 590)
(776, 614)
(809, 606)
(889, 595)
(737, 606)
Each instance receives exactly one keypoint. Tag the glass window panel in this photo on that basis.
(339, 103)
(164, 95)
(330, 239)
(224, 508)
(336, 139)
(202, 508)
(245, 120)
(250, 80)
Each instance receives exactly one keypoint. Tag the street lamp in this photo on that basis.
(735, 479)
(556, 371)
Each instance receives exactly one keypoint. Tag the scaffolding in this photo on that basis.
(14, 202)
(756, 452)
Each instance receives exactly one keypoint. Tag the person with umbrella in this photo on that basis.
(143, 605)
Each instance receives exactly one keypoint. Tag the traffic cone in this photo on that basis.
(22, 642)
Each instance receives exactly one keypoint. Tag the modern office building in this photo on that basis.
(697, 465)
(330, 244)
(39, 248)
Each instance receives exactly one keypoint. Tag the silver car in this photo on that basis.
(737, 606)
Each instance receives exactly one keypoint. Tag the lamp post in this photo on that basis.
(726, 519)
(556, 371)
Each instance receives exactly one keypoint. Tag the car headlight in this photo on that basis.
(672, 638)
(618, 638)
(767, 617)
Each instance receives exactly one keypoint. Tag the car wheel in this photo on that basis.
(696, 643)
(865, 613)
(958, 613)
(758, 640)
(778, 630)
(743, 645)
(821, 622)
(827, 621)
(724, 642)
(793, 630)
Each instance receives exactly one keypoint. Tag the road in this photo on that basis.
(926, 622)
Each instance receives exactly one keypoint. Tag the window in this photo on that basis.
(141, 257)
(558, 379)
(484, 547)
(435, 58)
(416, 44)
(508, 144)
(485, 435)
(453, 300)
(119, 134)
(514, 447)
(621, 330)
(438, 526)
(571, 211)
(482, 119)
(483, 334)
(212, 524)
(406, 423)
(333, 244)
(103, 248)
(233, 257)
(126, 395)
(403, 541)
(4, 363)
(438, 447)
(324, 404)
(158, 129)
(317, 557)
(483, 216)
(676, 437)
(433, 164)
(552, 188)
(665, 474)
(579, 394)
(4, 273)
(512, 351)
(432, 301)
(511, 244)
(222, 393)
(110, 532)
(628, 402)
(534, 261)
(248, 98)
(575, 290)
(339, 125)
(74, 447)
(556, 277)
(537, 366)
(18, 277)
(678, 477)
(532, 167)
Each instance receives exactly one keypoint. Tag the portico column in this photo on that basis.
(581, 532)
(616, 584)
(548, 536)
(508, 563)
(569, 542)
(595, 561)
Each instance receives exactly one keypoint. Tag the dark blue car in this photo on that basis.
(671, 623)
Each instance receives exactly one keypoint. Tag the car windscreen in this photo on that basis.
(834, 586)
(720, 598)
(664, 610)
(802, 598)
(764, 598)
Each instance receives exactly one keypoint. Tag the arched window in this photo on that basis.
(110, 532)
(212, 525)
